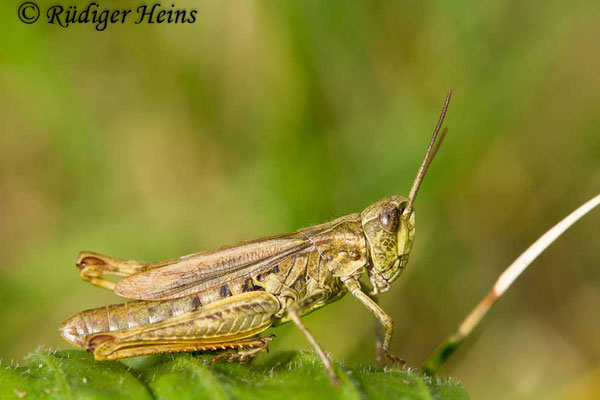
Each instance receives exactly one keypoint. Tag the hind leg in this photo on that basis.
(230, 323)
(246, 348)
(95, 266)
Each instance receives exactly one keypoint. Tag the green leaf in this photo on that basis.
(76, 375)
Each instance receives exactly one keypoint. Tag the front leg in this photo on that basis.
(384, 319)
(378, 335)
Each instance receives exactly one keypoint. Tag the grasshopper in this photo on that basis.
(223, 299)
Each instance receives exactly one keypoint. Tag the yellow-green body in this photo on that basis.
(222, 299)
(211, 300)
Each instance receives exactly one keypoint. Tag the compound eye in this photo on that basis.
(390, 219)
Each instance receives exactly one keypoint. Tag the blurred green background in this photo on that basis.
(153, 141)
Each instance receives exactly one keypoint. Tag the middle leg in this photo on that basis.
(295, 311)
(326, 362)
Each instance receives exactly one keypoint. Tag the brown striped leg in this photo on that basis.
(220, 325)
(248, 347)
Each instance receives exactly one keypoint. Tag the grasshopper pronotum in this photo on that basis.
(222, 299)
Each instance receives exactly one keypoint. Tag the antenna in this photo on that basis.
(432, 149)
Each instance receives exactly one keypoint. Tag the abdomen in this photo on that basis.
(123, 316)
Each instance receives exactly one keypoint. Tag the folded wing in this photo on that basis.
(196, 272)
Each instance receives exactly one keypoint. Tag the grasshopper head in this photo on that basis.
(389, 231)
(389, 224)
